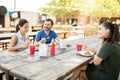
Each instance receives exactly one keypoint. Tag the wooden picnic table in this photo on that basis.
(4, 36)
(3, 30)
(10, 60)
(53, 68)
(33, 34)
(62, 32)
(24, 66)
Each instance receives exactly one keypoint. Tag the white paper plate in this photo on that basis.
(82, 53)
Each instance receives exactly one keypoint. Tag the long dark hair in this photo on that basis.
(114, 35)
(20, 24)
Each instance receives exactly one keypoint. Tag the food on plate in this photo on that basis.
(87, 53)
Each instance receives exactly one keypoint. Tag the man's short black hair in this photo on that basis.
(50, 21)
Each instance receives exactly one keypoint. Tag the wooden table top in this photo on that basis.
(22, 65)
(13, 59)
(10, 60)
(52, 68)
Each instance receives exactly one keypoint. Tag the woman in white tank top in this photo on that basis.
(20, 40)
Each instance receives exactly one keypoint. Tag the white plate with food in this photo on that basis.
(86, 53)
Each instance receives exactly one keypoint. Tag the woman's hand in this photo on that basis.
(27, 43)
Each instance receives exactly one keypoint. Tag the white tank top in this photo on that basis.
(21, 40)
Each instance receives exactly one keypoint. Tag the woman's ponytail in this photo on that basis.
(116, 34)
(17, 28)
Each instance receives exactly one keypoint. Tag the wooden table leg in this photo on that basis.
(3, 46)
(75, 74)
(1, 75)
(9, 77)
(65, 35)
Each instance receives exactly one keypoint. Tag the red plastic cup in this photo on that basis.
(52, 49)
(79, 47)
(32, 49)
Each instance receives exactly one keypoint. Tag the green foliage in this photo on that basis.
(100, 8)
(97, 8)
(58, 8)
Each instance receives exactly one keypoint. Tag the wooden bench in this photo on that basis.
(4, 44)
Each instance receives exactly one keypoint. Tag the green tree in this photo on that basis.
(100, 8)
(58, 7)
(94, 8)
